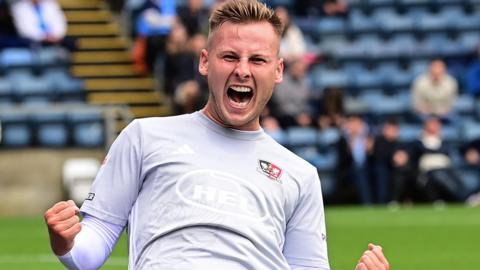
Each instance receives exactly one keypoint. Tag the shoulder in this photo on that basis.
(294, 166)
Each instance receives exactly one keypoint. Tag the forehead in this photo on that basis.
(259, 37)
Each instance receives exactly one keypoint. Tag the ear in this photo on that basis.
(203, 63)
(279, 71)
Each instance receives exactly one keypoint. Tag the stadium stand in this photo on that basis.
(56, 99)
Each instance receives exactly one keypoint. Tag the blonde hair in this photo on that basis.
(244, 11)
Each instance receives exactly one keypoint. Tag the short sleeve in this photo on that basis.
(118, 181)
(305, 237)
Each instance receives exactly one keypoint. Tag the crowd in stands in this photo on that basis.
(371, 145)
(387, 112)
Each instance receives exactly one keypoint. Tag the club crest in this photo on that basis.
(271, 170)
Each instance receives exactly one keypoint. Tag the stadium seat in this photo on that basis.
(87, 128)
(469, 40)
(52, 56)
(11, 57)
(409, 132)
(328, 137)
(301, 136)
(465, 105)
(323, 78)
(470, 131)
(51, 130)
(16, 131)
(366, 79)
(67, 88)
(359, 22)
(433, 22)
(330, 25)
(34, 87)
(5, 89)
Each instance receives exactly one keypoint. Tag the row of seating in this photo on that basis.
(372, 4)
(55, 84)
(52, 129)
(354, 77)
(28, 57)
(405, 45)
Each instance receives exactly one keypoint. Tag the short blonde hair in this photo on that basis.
(244, 11)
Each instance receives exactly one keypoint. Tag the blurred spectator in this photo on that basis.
(436, 174)
(331, 108)
(471, 152)
(41, 21)
(194, 16)
(183, 83)
(153, 26)
(292, 44)
(321, 8)
(360, 144)
(472, 86)
(290, 101)
(434, 93)
(393, 171)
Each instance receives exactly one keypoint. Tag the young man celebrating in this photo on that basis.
(208, 190)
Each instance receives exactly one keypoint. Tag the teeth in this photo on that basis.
(241, 89)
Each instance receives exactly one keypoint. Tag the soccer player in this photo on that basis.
(207, 190)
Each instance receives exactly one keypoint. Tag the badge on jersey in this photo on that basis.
(269, 169)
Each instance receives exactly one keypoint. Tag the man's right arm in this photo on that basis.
(63, 225)
(79, 246)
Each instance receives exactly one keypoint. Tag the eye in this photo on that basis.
(258, 60)
(229, 58)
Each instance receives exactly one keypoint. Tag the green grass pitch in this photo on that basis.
(414, 238)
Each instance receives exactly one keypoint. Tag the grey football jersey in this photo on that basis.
(196, 195)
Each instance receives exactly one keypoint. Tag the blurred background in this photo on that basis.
(381, 96)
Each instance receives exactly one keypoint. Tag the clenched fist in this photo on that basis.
(373, 259)
(63, 225)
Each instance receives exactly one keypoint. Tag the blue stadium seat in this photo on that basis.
(359, 22)
(87, 128)
(301, 136)
(16, 131)
(470, 131)
(330, 77)
(394, 22)
(469, 22)
(51, 130)
(364, 78)
(330, 25)
(34, 87)
(325, 161)
(5, 89)
(409, 132)
(11, 57)
(49, 56)
(469, 40)
(67, 88)
(465, 105)
(451, 134)
(328, 137)
(433, 22)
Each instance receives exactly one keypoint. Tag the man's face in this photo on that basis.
(242, 68)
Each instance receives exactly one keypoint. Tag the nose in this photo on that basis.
(242, 70)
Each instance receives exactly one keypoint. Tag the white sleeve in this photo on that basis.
(305, 236)
(92, 245)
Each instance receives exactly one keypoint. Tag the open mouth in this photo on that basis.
(240, 94)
